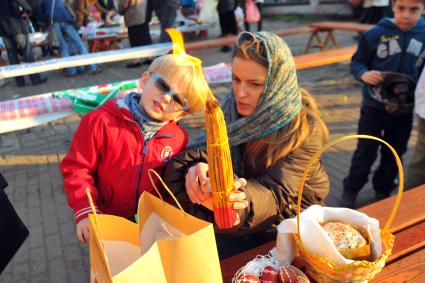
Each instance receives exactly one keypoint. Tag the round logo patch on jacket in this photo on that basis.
(166, 153)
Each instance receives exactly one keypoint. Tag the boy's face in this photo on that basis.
(407, 13)
(160, 100)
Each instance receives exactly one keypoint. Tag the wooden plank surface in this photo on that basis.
(231, 39)
(334, 25)
(408, 241)
(324, 57)
(410, 211)
(410, 269)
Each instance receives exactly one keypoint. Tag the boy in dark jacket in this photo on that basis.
(115, 145)
(393, 46)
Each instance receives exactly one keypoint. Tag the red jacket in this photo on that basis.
(108, 155)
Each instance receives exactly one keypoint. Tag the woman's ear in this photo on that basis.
(144, 80)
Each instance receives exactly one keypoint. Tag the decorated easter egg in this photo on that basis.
(287, 275)
(269, 275)
(248, 278)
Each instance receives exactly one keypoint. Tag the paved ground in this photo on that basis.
(30, 160)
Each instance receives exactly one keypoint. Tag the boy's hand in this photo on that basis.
(372, 77)
(83, 230)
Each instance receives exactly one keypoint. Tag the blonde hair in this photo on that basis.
(177, 69)
(263, 153)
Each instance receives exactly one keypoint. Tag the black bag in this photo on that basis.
(52, 39)
(13, 231)
(397, 92)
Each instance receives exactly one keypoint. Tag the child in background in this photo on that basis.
(115, 145)
(397, 46)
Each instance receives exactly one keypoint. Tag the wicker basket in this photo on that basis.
(322, 269)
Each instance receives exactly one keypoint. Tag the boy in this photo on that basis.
(395, 46)
(115, 145)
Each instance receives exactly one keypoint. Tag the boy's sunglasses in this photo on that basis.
(165, 87)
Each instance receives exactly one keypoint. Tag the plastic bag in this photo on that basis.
(252, 13)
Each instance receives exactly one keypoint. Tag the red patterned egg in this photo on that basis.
(248, 278)
(269, 275)
(287, 275)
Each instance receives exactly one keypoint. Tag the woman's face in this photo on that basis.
(249, 80)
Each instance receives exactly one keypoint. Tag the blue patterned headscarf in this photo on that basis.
(278, 105)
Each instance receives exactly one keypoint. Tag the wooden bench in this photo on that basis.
(316, 37)
(407, 261)
(218, 42)
(322, 58)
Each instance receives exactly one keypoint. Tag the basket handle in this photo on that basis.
(150, 172)
(315, 158)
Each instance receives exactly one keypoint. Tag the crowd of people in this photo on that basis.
(62, 19)
(274, 126)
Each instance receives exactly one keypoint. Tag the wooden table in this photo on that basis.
(328, 27)
(407, 261)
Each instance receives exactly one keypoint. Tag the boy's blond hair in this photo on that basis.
(177, 69)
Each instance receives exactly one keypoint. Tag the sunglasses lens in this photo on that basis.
(179, 99)
(161, 84)
(245, 36)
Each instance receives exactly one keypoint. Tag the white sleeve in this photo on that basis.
(420, 96)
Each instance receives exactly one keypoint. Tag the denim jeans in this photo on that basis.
(20, 42)
(67, 35)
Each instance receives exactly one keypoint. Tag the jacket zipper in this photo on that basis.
(144, 152)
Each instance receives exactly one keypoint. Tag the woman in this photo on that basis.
(274, 127)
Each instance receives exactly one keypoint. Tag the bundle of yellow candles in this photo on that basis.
(219, 160)
(220, 165)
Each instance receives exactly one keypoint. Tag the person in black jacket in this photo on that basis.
(274, 128)
(13, 231)
(14, 28)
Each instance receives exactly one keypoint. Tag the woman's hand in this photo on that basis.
(198, 185)
(83, 230)
(372, 77)
(198, 188)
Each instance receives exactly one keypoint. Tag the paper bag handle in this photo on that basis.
(150, 172)
(315, 158)
(96, 222)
